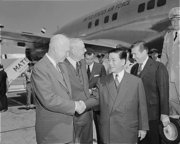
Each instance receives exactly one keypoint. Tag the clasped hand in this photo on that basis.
(81, 106)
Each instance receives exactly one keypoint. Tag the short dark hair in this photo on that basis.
(153, 50)
(89, 52)
(121, 51)
(142, 45)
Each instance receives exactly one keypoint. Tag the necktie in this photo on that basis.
(77, 67)
(58, 69)
(88, 72)
(116, 80)
(139, 69)
(176, 34)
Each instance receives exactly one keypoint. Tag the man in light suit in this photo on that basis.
(80, 91)
(54, 105)
(94, 72)
(155, 79)
(123, 109)
(170, 58)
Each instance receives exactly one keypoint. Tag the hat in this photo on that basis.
(174, 12)
(1, 66)
(153, 50)
(171, 133)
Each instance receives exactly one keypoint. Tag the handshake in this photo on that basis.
(80, 107)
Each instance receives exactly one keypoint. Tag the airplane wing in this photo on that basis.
(104, 45)
(23, 39)
(31, 42)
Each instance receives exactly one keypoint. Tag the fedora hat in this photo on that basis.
(171, 133)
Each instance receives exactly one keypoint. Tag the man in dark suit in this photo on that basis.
(123, 106)
(80, 91)
(4, 85)
(94, 72)
(155, 79)
(54, 105)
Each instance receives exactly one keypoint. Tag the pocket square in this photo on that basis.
(96, 75)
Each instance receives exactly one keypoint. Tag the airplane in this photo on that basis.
(118, 24)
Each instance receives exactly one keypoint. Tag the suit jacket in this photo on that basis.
(155, 79)
(81, 92)
(98, 71)
(123, 111)
(54, 107)
(170, 58)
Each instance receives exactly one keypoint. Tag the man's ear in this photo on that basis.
(124, 61)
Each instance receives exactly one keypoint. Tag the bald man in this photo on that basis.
(54, 105)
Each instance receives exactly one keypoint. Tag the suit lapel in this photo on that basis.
(135, 69)
(124, 86)
(146, 68)
(84, 77)
(72, 74)
(93, 71)
(55, 72)
(111, 87)
(66, 79)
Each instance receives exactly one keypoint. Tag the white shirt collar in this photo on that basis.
(91, 66)
(144, 63)
(120, 75)
(51, 60)
(73, 62)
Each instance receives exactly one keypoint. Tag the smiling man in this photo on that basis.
(123, 106)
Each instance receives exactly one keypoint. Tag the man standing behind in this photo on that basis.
(123, 106)
(54, 105)
(155, 79)
(80, 91)
(4, 85)
(171, 59)
(94, 72)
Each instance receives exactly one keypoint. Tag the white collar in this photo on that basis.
(51, 60)
(120, 75)
(143, 64)
(73, 62)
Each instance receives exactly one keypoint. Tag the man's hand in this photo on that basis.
(142, 134)
(165, 120)
(81, 106)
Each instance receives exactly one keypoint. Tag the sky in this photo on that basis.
(32, 16)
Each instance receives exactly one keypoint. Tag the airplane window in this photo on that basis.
(114, 17)
(96, 22)
(151, 4)
(141, 8)
(161, 3)
(89, 25)
(106, 19)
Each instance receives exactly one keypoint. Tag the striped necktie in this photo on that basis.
(139, 69)
(116, 80)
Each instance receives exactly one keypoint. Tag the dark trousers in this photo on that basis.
(96, 115)
(152, 136)
(29, 94)
(3, 102)
(84, 134)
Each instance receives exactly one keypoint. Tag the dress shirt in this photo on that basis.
(120, 75)
(144, 63)
(90, 66)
